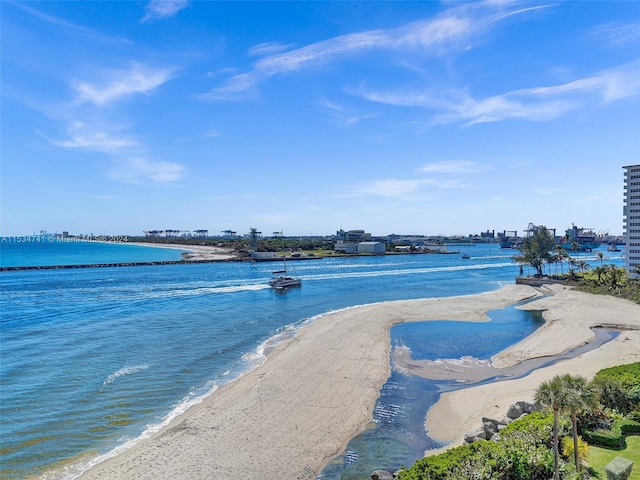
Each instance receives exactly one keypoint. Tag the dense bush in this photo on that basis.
(612, 438)
(522, 453)
(627, 375)
(618, 387)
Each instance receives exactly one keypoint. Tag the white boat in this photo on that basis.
(279, 279)
(465, 256)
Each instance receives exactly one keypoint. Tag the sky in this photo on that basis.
(430, 118)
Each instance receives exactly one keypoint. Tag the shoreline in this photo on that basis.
(192, 254)
(290, 416)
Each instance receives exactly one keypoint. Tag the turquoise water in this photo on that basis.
(45, 251)
(94, 359)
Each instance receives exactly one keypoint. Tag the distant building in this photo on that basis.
(345, 247)
(488, 234)
(347, 242)
(353, 236)
(377, 248)
(631, 216)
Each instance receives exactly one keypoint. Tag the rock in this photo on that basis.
(515, 410)
(527, 407)
(506, 420)
(496, 438)
(490, 427)
(381, 475)
(473, 435)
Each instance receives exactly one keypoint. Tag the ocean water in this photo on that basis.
(38, 250)
(93, 360)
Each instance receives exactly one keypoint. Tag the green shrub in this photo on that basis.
(438, 467)
(627, 376)
(619, 387)
(612, 438)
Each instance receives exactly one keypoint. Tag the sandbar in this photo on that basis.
(291, 415)
(195, 252)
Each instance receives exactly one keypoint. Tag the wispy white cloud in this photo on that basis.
(269, 48)
(391, 187)
(160, 9)
(213, 133)
(534, 104)
(53, 20)
(343, 115)
(142, 170)
(359, 118)
(239, 87)
(83, 137)
(453, 29)
(453, 167)
(404, 188)
(617, 35)
(121, 83)
(118, 147)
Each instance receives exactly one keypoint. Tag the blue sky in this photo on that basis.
(394, 117)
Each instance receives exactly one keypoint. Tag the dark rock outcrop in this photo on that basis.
(381, 475)
(490, 428)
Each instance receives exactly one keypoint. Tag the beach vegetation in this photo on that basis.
(606, 280)
(536, 251)
(581, 396)
(523, 452)
(619, 388)
(554, 394)
(569, 447)
(594, 419)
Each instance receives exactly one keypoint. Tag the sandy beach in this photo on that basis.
(194, 252)
(291, 415)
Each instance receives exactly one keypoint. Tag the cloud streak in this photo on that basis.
(138, 79)
(161, 9)
(138, 170)
(618, 35)
(452, 30)
(533, 104)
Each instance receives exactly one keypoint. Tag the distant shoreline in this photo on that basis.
(118, 264)
(192, 254)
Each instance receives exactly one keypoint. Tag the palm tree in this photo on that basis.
(575, 246)
(601, 257)
(583, 265)
(580, 396)
(562, 255)
(535, 250)
(600, 272)
(616, 275)
(554, 394)
(572, 266)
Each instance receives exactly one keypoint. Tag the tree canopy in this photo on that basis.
(536, 250)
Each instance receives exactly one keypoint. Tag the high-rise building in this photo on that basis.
(631, 216)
